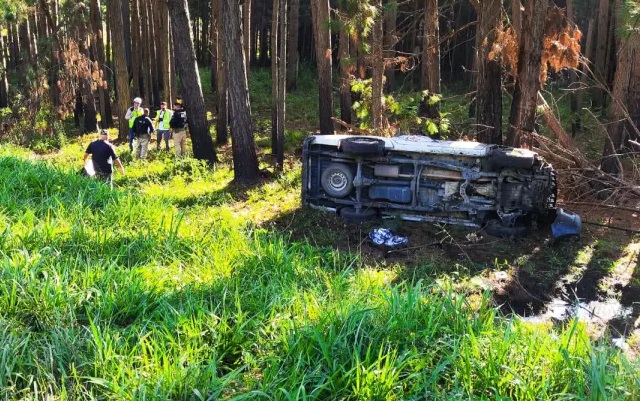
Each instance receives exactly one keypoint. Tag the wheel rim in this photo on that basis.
(338, 181)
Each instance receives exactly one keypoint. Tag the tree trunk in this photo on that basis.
(165, 66)
(222, 135)
(246, 29)
(523, 108)
(187, 67)
(275, 97)
(391, 14)
(489, 78)
(292, 45)
(154, 53)
(625, 107)
(4, 83)
(345, 76)
(377, 60)
(431, 58)
(119, 58)
(98, 45)
(245, 160)
(214, 47)
(136, 54)
(516, 12)
(282, 83)
(588, 55)
(322, 36)
(145, 53)
(601, 52)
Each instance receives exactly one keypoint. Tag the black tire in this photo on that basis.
(511, 157)
(351, 214)
(337, 180)
(362, 146)
(497, 229)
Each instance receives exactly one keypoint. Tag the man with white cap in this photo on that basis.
(103, 155)
(132, 113)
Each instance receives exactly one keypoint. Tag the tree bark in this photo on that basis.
(282, 83)
(136, 54)
(391, 14)
(166, 73)
(292, 45)
(523, 107)
(489, 78)
(154, 54)
(119, 58)
(377, 60)
(431, 58)
(345, 76)
(214, 47)
(275, 98)
(222, 135)
(245, 160)
(4, 83)
(625, 107)
(145, 45)
(187, 67)
(246, 29)
(601, 52)
(99, 56)
(322, 36)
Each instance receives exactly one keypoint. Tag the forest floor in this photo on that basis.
(595, 278)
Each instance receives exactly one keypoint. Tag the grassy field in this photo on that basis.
(177, 285)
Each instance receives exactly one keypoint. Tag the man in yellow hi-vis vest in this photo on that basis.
(162, 125)
(132, 113)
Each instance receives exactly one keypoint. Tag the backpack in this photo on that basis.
(140, 126)
(178, 120)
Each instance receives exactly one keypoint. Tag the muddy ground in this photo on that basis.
(595, 277)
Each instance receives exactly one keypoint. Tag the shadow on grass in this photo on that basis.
(525, 275)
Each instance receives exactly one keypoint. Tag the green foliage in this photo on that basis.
(180, 286)
(629, 15)
(39, 130)
(402, 111)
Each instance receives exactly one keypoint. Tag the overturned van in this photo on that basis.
(501, 189)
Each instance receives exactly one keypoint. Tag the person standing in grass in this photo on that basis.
(133, 112)
(103, 155)
(178, 125)
(162, 123)
(143, 127)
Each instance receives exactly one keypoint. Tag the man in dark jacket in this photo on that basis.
(103, 156)
(178, 125)
(143, 127)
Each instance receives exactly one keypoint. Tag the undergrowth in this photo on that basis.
(151, 293)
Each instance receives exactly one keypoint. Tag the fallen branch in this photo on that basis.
(601, 205)
(350, 126)
(629, 230)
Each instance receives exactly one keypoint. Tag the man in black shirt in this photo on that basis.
(103, 156)
(142, 127)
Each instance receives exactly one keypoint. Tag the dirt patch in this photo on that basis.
(527, 276)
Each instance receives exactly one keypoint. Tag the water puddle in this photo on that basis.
(597, 312)
(609, 312)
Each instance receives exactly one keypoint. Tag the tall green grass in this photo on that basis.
(136, 295)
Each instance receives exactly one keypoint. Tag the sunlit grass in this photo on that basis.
(180, 285)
